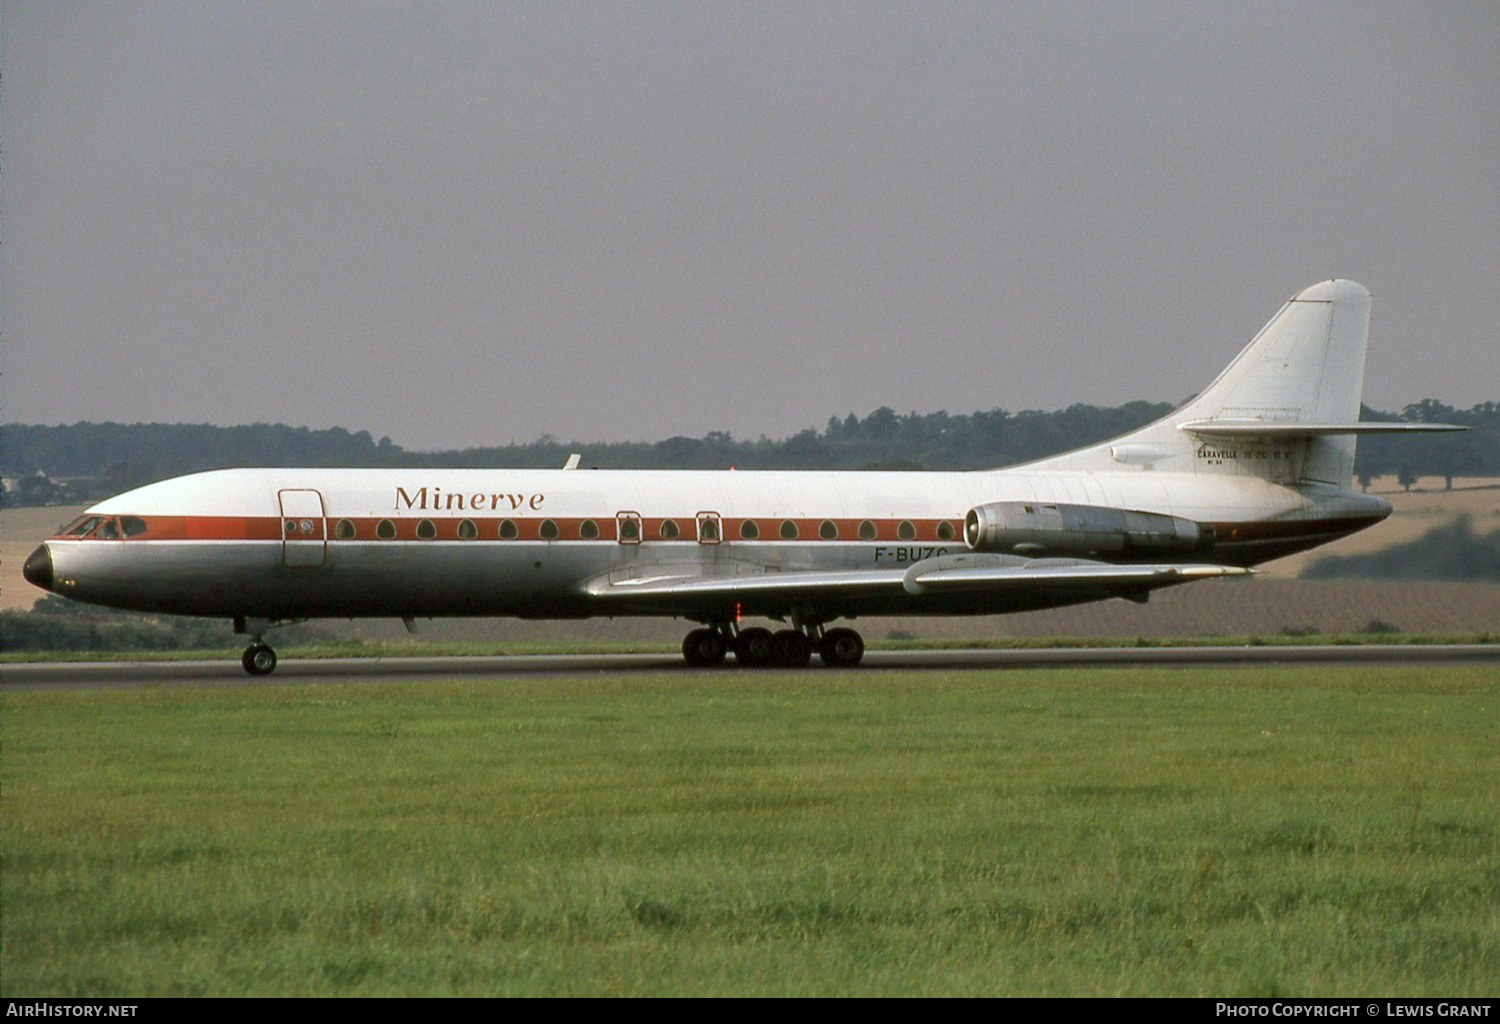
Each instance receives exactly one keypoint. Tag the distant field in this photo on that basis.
(1415, 513)
(1250, 832)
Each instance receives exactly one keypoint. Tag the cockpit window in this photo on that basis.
(105, 527)
(82, 526)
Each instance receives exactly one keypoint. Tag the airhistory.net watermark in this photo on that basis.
(55, 1008)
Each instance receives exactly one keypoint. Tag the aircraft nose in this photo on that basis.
(38, 568)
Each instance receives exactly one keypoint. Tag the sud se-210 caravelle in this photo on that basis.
(1255, 467)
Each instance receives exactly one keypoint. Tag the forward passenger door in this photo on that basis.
(304, 528)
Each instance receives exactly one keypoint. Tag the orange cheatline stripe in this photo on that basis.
(270, 528)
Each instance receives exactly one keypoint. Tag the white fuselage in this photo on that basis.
(301, 543)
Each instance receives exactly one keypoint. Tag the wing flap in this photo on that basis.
(947, 574)
(1071, 573)
(733, 587)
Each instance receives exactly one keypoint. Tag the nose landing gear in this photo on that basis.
(259, 659)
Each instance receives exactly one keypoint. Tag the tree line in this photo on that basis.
(87, 461)
(1476, 452)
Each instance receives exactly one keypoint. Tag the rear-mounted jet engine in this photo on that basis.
(1029, 528)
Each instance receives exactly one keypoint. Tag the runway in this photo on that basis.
(227, 672)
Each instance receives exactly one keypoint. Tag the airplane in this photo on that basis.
(1255, 467)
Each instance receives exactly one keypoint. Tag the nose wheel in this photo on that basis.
(259, 659)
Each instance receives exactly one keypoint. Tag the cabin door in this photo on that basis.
(304, 529)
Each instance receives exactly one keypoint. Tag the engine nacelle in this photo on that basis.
(1037, 528)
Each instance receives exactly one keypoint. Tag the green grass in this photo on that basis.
(1089, 832)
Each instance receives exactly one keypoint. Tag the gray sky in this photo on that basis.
(467, 224)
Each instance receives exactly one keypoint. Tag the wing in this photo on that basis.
(969, 583)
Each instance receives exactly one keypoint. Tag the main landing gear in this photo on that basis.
(760, 648)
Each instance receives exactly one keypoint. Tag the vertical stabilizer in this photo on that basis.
(1301, 374)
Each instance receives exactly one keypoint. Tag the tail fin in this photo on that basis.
(1306, 366)
(1287, 407)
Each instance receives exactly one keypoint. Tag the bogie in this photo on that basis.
(756, 647)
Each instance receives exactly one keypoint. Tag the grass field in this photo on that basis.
(1103, 832)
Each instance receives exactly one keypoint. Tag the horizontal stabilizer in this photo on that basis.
(1270, 428)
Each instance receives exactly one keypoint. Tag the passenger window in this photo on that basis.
(945, 530)
(467, 530)
(385, 530)
(829, 530)
(788, 530)
(425, 530)
(708, 529)
(549, 530)
(867, 530)
(588, 530)
(630, 529)
(343, 530)
(509, 530)
(906, 531)
(670, 529)
(749, 531)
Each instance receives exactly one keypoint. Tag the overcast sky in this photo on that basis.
(462, 224)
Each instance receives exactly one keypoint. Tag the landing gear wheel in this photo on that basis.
(259, 660)
(752, 648)
(703, 647)
(790, 649)
(841, 648)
